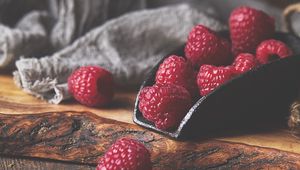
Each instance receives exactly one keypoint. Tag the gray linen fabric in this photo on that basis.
(45, 40)
(28, 38)
(35, 28)
(73, 18)
(128, 46)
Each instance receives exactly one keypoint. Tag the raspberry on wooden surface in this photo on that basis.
(126, 154)
(91, 85)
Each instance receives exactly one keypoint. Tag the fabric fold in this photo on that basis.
(128, 46)
(73, 18)
(27, 39)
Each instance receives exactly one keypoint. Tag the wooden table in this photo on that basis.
(38, 135)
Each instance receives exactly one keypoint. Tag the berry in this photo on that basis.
(126, 154)
(244, 62)
(210, 77)
(164, 104)
(272, 49)
(205, 47)
(179, 71)
(91, 86)
(248, 27)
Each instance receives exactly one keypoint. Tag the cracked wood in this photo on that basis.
(83, 137)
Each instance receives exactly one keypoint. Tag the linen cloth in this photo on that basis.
(47, 40)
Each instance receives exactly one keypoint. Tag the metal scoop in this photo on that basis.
(262, 95)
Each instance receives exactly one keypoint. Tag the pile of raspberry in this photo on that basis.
(210, 61)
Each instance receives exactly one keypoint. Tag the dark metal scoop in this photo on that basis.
(262, 95)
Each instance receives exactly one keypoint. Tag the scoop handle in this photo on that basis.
(287, 16)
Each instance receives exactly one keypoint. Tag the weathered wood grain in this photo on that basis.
(69, 132)
(13, 163)
(83, 137)
(14, 101)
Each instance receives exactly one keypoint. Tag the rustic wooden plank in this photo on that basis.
(14, 163)
(281, 139)
(15, 101)
(56, 135)
(82, 137)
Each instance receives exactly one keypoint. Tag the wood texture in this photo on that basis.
(12, 163)
(15, 101)
(72, 132)
(82, 137)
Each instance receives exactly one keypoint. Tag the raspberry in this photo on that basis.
(127, 154)
(272, 49)
(210, 77)
(205, 47)
(91, 86)
(179, 71)
(244, 62)
(248, 27)
(164, 104)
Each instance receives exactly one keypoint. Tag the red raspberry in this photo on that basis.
(244, 62)
(164, 104)
(210, 77)
(127, 154)
(179, 71)
(272, 49)
(248, 27)
(91, 86)
(205, 47)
